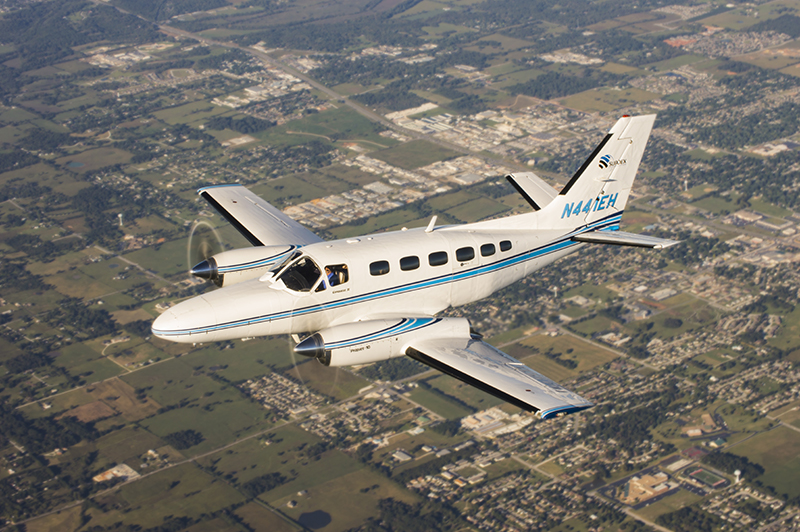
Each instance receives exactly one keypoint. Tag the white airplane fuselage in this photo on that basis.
(480, 259)
(362, 300)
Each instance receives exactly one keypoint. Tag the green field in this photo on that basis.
(220, 423)
(735, 19)
(549, 368)
(470, 395)
(349, 500)
(716, 204)
(246, 360)
(675, 62)
(608, 99)
(616, 68)
(94, 159)
(438, 403)
(506, 43)
(778, 451)
(586, 355)
(260, 519)
(768, 208)
(169, 258)
(788, 337)
(127, 445)
(768, 59)
(179, 491)
(596, 324)
(414, 154)
(191, 113)
(704, 476)
(477, 209)
(593, 292)
(669, 504)
(343, 122)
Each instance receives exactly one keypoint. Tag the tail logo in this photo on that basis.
(607, 160)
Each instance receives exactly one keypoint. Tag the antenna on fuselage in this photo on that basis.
(431, 224)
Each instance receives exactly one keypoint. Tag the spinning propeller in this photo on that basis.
(204, 242)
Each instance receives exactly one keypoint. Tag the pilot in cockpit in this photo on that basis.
(336, 274)
(333, 279)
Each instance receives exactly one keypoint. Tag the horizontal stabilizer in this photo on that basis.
(533, 188)
(621, 238)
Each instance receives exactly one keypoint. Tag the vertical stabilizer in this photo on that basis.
(599, 190)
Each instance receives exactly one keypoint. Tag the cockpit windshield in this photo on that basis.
(281, 265)
(301, 276)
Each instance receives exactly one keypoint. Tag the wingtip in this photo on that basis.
(563, 411)
(668, 244)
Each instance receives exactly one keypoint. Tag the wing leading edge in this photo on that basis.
(489, 369)
(258, 221)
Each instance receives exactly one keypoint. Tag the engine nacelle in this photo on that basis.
(363, 342)
(237, 265)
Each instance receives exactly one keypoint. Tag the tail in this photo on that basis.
(597, 193)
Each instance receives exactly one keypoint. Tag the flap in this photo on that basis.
(258, 221)
(533, 188)
(621, 238)
(489, 369)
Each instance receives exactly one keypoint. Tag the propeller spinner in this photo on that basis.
(204, 242)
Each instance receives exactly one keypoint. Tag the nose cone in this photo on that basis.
(192, 321)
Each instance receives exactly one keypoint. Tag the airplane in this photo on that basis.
(361, 300)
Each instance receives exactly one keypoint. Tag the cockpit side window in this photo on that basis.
(301, 276)
(337, 274)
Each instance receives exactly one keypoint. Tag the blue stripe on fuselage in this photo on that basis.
(557, 245)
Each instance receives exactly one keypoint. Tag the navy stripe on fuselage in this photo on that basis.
(560, 244)
(256, 263)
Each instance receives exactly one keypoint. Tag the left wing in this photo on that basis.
(258, 221)
(489, 369)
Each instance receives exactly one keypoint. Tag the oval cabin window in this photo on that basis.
(505, 245)
(409, 263)
(380, 267)
(438, 258)
(487, 250)
(465, 254)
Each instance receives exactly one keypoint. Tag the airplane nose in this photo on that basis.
(190, 322)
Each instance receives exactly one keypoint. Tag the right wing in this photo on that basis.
(621, 238)
(489, 369)
(258, 221)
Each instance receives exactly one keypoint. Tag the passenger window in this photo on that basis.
(505, 245)
(465, 254)
(301, 276)
(409, 263)
(336, 274)
(437, 258)
(487, 250)
(380, 267)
